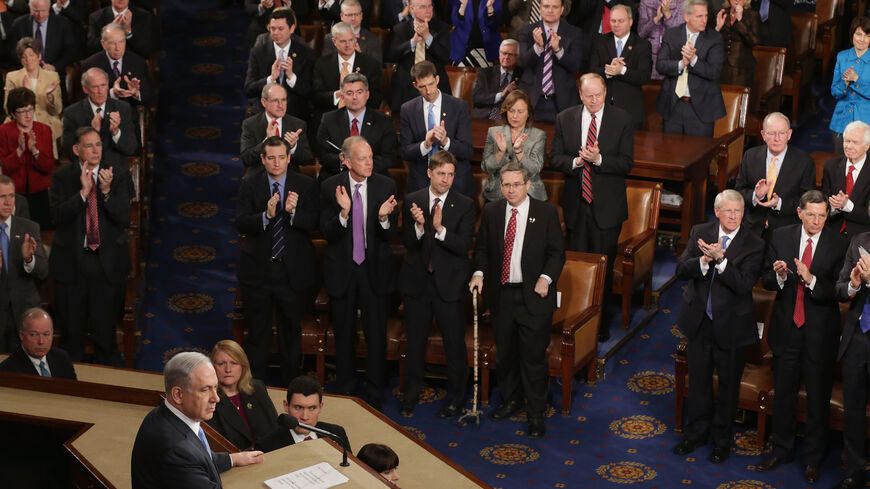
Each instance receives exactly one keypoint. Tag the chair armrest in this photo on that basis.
(632, 246)
(682, 349)
(571, 324)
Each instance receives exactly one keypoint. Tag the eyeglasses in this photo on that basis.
(24, 111)
(778, 134)
(514, 186)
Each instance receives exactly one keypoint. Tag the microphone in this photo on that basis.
(290, 422)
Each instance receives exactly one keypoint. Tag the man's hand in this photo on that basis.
(554, 42)
(276, 70)
(855, 276)
(538, 35)
(421, 28)
(114, 122)
(761, 188)
(781, 269)
(272, 205)
(343, 201)
(711, 251)
(291, 202)
(266, 4)
(590, 153)
(508, 89)
(771, 202)
(436, 219)
(28, 248)
(105, 177)
(542, 287)
(838, 201)
(803, 271)
(240, 459)
(615, 67)
(292, 137)
(476, 281)
(387, 207)
(87, 183)
(441, 133)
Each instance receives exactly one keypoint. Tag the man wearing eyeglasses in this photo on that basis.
(129, 78)
(495, 82)
(275, 121)
(773, 177)
(366, 42)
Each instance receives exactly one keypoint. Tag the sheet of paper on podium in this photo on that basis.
(320, 476)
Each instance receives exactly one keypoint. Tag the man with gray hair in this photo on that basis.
(846, 186)
(330, 69)
(722, 262)
(495, 82)
(366, 42)
(171, 449)
(129, 77)
(274, 121)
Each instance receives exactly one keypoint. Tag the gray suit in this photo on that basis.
(17, 287)
(535, 149)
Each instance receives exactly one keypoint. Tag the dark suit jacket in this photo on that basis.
(624, 91)
(167, 453)
(588, 15)
(6, 49)
(144, 32)
(486, 86)
(338, 255)
(260, 21)
(80, 114)
(259, 410)
(796, 176)
(821, 311)
(68, 211)
(58, 363)
(327, 79)
(260, 67)
(777, 30)
(449, 258)
(61, 48)
(733, 309)
(18, 289)
(834, 180)
(563, 68)
(616, 143)
(856, 306)
(739, 39)
(254, 133)
(133, 66)
(368, 42)
(703, 77)
(543, 253)
(299, 260)
(281, 438)
(377, 128)
(401, 53)
(389, 13)
(457, 122)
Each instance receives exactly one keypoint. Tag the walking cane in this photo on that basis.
(474, 412)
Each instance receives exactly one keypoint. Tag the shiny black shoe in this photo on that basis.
(537, 428)
(449, 410)
(407, 407)
(505, 411)
(811, 474)
(772, 462)
(719, 455)
(854, 481)
(686, 446)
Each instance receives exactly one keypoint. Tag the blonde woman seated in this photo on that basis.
(43, 83)
(245, 413)
(517, 141)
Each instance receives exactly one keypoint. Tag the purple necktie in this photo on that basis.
(39, 35)
(547, 73)
(359, 236)
(115, 69)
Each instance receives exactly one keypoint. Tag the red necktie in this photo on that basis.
(275, 127)
(509, 236)
(354, 128)
(850, 183)
(591, 139)
(605, 20)
(92, 221)
(307, 438)
(807, 259)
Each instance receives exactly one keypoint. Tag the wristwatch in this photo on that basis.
(720, 260)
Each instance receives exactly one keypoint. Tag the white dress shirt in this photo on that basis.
(585, 120)
(364, 194)
(424, 150)
(439, 236)
(720, 267)
(279, 51)
(802, 245)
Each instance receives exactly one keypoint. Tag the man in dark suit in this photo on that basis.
(281, 61)
(171, 449)
(358, 219)
(366, 41)
(433, 121)
(336, 126)
(22, 263)
(551, 52)
(329, 11)
(260, 10)
(802, 265)
(846, 185)
(775, 22)
(624, 59)
(305, 403)
(139, 27)
(593, 16)
(90, 206)
(274, 121)
(59, 46)
(595, 162)
(722, 262)
(393, 12)
(494, 82)
(690, 59)
(519, 255)
(773, 177)
(414, 40)
(6, 48)
(275, 212)
(439, 226)
(128, 74)
(35, 354)
(112, 119)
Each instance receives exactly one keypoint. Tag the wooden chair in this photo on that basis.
(731, 134)
(313, 35)
(766, 94)
(829, 12)
(462, 82)
(383, 34)
(800, 58)
(653, 120)
(386, 80)
(633, 265)
(819, 158)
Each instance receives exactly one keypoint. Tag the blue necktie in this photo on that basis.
(201, 435)
(43, 370)
(430, 124)
(4, 245)
(619, 48)
(865, 316)
(764, 10)
(277, 226)
(712, 278)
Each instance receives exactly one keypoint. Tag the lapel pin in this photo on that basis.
(451, 205)
(294, 55)
(531, 219)
(368, 123)
(357, 69)
(249, 405)
(630, 48)
(444, 114)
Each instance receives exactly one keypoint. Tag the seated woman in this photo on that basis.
(43, 83)
(739, 28)
(26, 155)
(381, 458)
(853, 97)
(245, 411)
(517, 141)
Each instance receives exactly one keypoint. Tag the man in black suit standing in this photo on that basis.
(722, 262)
(439, 226)
(305, 403)
(624, 59)
(281, 61)
(111, 119)
(138, 26)
(420, 38)
(260, 10)
(35, 354)
(775, 28)
(338, 125)
(89, 261)
(846, 185)
(551, 52)
(171, 449)
(274, 121)
(433, 121)
(802, 265)
(366, 41)
(519, 255)
(358, 219)
(595, 162)
(276, 210)
(773, 177)
(494, 82)
(128, 74)
(690, 59)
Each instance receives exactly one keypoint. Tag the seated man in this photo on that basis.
(330, 70)
(138, 26)
(304, 402)
(274, 122)
(366, 42)
(129, 77)
(35, 355)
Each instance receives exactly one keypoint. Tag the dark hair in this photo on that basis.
(862, 22)
(442, 158)
(19, 97)
(81, 132)
(274, 142)
(27, 42)
(422, 70)
(306, 386)
(285, 13)
(379, 457)
(813, 197)
(354, 78)
(509, 102)
(5, 180)
(514, 166)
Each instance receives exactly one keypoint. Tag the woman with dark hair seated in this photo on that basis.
(26, 153)
(381, 458)
(245, 412)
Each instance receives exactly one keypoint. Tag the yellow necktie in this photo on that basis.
(682, 87)
(420, 52)
(344, 72)
(771, 177)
